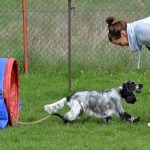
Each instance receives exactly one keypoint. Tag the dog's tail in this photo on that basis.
(66, 121)
(60, 116)
(52, 108)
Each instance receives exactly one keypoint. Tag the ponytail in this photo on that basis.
(110, 20)
(115, 27)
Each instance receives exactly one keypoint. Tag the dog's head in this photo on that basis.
(127, 91)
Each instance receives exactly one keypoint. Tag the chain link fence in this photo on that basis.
(11, 44)
(90, 41)
(48, 33)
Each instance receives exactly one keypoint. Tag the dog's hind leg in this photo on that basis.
(75, 112)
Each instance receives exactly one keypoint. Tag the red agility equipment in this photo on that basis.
(12, 90)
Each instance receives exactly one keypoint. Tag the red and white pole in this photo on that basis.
(25, 43)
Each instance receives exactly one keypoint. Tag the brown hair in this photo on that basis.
(115, 28)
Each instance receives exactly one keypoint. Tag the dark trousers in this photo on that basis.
(148, 47)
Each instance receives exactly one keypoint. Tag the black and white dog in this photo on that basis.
(101, 104)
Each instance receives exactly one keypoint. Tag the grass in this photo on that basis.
(38, 89)
(95, 69)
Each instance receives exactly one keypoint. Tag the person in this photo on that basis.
(134, 35)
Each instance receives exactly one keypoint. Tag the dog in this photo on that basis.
(101, 104)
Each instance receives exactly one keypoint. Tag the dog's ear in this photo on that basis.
(130, 99)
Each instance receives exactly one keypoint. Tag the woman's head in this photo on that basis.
(117, 31)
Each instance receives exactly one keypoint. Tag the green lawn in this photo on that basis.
(38, 89)
(48, 81)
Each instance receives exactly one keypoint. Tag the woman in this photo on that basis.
(133, 34)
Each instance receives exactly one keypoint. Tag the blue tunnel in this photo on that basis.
(3, 109)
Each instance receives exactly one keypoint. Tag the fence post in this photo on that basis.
(25, 44)
(69, 46)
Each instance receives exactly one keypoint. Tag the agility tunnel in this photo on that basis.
(9, 92)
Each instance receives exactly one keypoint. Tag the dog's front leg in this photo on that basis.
(129, 118)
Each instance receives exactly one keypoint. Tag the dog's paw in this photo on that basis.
(135, 119)
(107, 119)
(68, 122)
(148, 125)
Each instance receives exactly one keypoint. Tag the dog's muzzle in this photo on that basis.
(138, 88)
